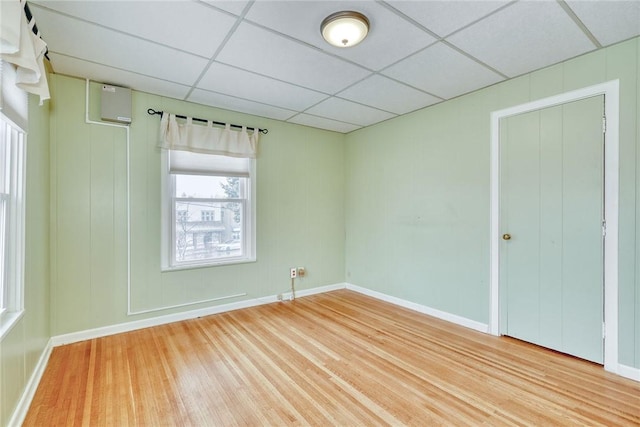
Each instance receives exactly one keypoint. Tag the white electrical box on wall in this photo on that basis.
(116, 104)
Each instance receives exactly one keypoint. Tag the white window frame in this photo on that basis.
(168, 221)
(13, 227)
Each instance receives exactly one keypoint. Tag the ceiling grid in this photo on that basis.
(269, 59)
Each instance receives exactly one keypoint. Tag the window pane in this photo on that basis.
(209, 187)
(4, 157)
(11, 219)
(208, 230)
(3, 239)
(5, 176)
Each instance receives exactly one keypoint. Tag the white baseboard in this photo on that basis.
(458, 320)
(629, 372)
(625, 371)
(104, 331)
(319, 290)
(24, 403)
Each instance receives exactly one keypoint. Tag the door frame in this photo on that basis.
(611, 92)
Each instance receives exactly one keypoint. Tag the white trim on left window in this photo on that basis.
(13, 142)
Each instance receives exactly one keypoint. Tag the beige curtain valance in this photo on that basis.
(207, 139)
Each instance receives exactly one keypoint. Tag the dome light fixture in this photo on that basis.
(345, 29)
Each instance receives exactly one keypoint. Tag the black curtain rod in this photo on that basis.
(29, 16)
(153, 112)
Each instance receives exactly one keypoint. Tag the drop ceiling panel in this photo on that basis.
(610, 21)
(381, 47)
(443, 72)
(159, 21)
(347, 111)
(386, 94)
(100, 73)
(277, 65)
(71, 37)
(243, 84)
(266, 53)
(232, 6)
(524, 37)
(322, 123)
(235, 104)
(445, 17)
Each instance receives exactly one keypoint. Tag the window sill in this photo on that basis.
(8, 320)
(167, 269)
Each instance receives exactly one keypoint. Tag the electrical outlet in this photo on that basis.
(302, 272)
(294, 273)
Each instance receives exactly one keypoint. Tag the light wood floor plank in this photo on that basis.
(339, 358)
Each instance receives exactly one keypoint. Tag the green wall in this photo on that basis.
(411, 194)
(417, 193)
(22, 347)
(300, 213)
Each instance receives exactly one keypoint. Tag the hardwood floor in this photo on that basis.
(338, 358)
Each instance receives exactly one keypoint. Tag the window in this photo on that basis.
(182, 215)
(208, 210)
(12, 141)
(210, 215)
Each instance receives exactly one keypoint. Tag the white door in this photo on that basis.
(551, 255)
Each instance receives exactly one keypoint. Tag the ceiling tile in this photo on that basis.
(266, 53)
(524, 37)
(322, 123)
(445, 17)
(386, 94)
(609, 21)
(275, 64)
(378, 50)
(103, 74)
(233, 6)
(443, 72)
(164, 21)
(243, 84)
(71, 37)
(347, 111)
(235, 104)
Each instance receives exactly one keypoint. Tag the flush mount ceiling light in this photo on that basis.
(345, 29)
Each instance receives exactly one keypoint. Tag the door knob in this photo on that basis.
(506, 237)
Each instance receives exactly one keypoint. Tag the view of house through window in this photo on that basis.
(209, 212)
